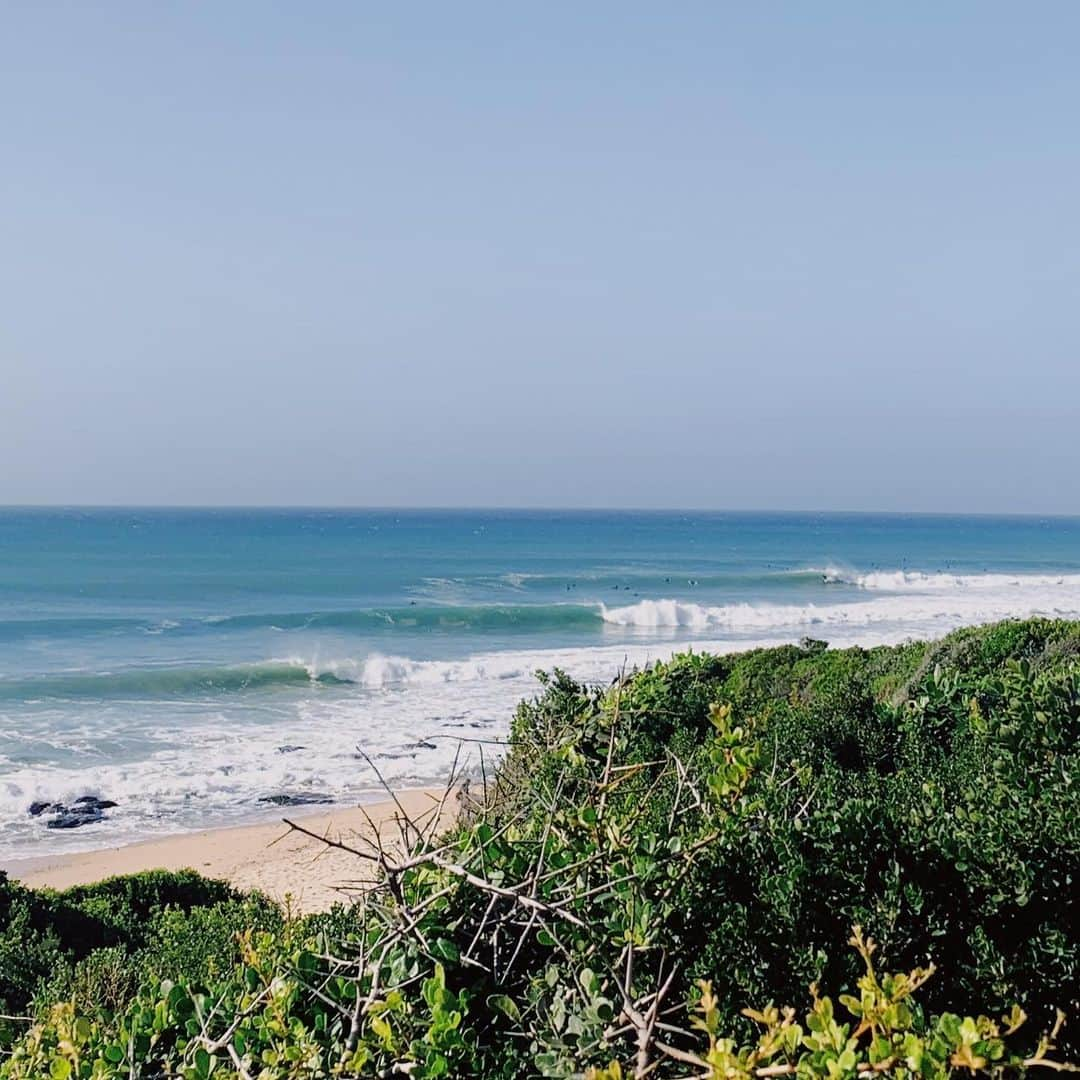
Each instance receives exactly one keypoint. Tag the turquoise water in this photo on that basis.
(165, 659)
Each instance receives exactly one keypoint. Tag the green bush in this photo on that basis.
(103, 981)
(202, 943)
(49, 940)
(124, 906)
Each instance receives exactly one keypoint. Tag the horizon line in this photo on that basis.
(481, 508)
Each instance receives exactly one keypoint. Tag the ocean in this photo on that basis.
(189, 664)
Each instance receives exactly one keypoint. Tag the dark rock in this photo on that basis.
(73, 819)
(92, 802)
(85, 810)
(297, 798)
(289, 748)
(38, 808)
(421, 744)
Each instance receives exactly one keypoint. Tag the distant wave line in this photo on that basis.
(479, 617)
(159, 682)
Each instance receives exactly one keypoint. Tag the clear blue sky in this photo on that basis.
(694, 254)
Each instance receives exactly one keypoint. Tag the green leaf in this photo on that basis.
(445, 949)
(505, 1005)
(203, 1063)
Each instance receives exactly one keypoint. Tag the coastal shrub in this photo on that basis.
(29, 951)
(888, 1033)
(124, 906)
(103, 981)
(944, 818)
(203, 942)
(702, 835)
(49, 940)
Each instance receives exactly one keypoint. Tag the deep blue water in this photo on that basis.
(162, 657)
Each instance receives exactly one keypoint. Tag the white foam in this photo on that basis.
(657, 614)
(917, 581)
(923, 604)
(379, 671)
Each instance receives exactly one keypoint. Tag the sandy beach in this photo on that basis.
(284, 864)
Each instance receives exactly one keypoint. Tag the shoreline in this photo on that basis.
(289, 867)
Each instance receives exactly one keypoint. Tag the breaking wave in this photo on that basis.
(180, 681)
(918, 581)
(372, 672)
(924, 603)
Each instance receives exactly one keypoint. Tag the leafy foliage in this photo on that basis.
(887, 1034)
(48, 939)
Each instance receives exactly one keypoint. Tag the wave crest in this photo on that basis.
(921, 604)
(920, 581)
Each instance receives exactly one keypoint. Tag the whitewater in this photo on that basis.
(924, 604)
(190, 665)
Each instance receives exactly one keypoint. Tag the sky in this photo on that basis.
(725, 255)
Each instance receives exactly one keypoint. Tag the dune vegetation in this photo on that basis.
(793, 861)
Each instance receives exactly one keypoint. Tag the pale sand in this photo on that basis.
(267, 857)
